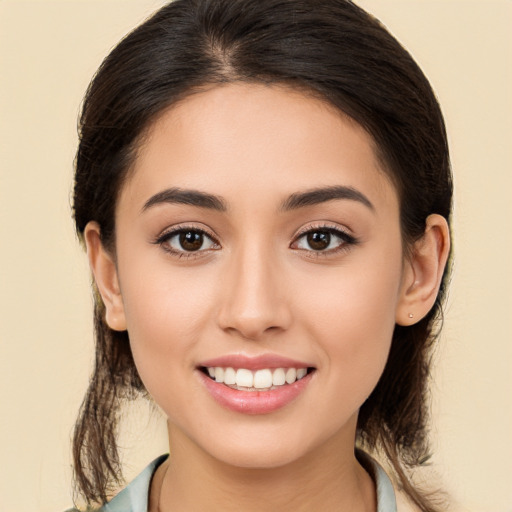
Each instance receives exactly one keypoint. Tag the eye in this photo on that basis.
(182, 241)
(323, 239)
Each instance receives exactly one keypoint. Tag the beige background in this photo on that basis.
(48, 52)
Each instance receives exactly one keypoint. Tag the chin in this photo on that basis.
(272, 447)
(258, 457)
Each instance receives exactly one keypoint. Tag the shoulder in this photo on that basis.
(134, 497)
(86, 510)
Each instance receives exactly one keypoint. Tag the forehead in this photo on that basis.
(258, 141)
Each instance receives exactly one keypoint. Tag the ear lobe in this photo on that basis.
(105, 276)
(423, 272)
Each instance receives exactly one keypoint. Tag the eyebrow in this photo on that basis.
(183, 196)
(324, 194)
(294, 201)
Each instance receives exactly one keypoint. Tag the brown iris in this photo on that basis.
(191, 240)
(319, 240)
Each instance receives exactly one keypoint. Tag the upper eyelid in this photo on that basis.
(174, 230)
(344, 235)
(163, 240)
(323, 226)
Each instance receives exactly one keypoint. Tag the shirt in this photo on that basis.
(135, 497)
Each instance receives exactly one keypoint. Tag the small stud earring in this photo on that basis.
(411, 315)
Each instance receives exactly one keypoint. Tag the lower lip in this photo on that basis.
(254, 402)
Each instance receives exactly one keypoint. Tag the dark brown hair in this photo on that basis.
(330, 48)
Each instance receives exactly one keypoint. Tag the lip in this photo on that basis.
(271, 361)
(254, 402)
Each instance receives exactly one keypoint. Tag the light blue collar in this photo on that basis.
(135, 497)
(386, 501)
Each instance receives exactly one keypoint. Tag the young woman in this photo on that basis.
(264, 190)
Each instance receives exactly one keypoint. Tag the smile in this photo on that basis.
(255, 385)
(265, 379)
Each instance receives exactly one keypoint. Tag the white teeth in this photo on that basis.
(265, 378)
(278, 377)
(291, 375)
(301, 372)
(244, 378)
(229, 376)
(219, 374)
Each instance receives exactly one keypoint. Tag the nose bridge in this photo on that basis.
(253, 301)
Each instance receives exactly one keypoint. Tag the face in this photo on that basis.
(257, 241)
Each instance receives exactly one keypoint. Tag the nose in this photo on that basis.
(254, 300)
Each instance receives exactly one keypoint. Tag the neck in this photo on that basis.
(329, 478)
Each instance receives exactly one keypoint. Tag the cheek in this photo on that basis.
(163, 300)
(165, 315)
(352, 313)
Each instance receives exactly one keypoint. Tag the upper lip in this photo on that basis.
(254, 362)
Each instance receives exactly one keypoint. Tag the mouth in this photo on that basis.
(262, 379)
(259, 384)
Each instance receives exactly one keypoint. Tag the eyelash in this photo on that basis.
(347, 241)
(164, 239)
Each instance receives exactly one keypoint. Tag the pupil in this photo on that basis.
(191, 240)
(319, 240)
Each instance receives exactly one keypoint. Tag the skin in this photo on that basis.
(259, 288)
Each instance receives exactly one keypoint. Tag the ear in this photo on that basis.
(423, 271)
(105, 276)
